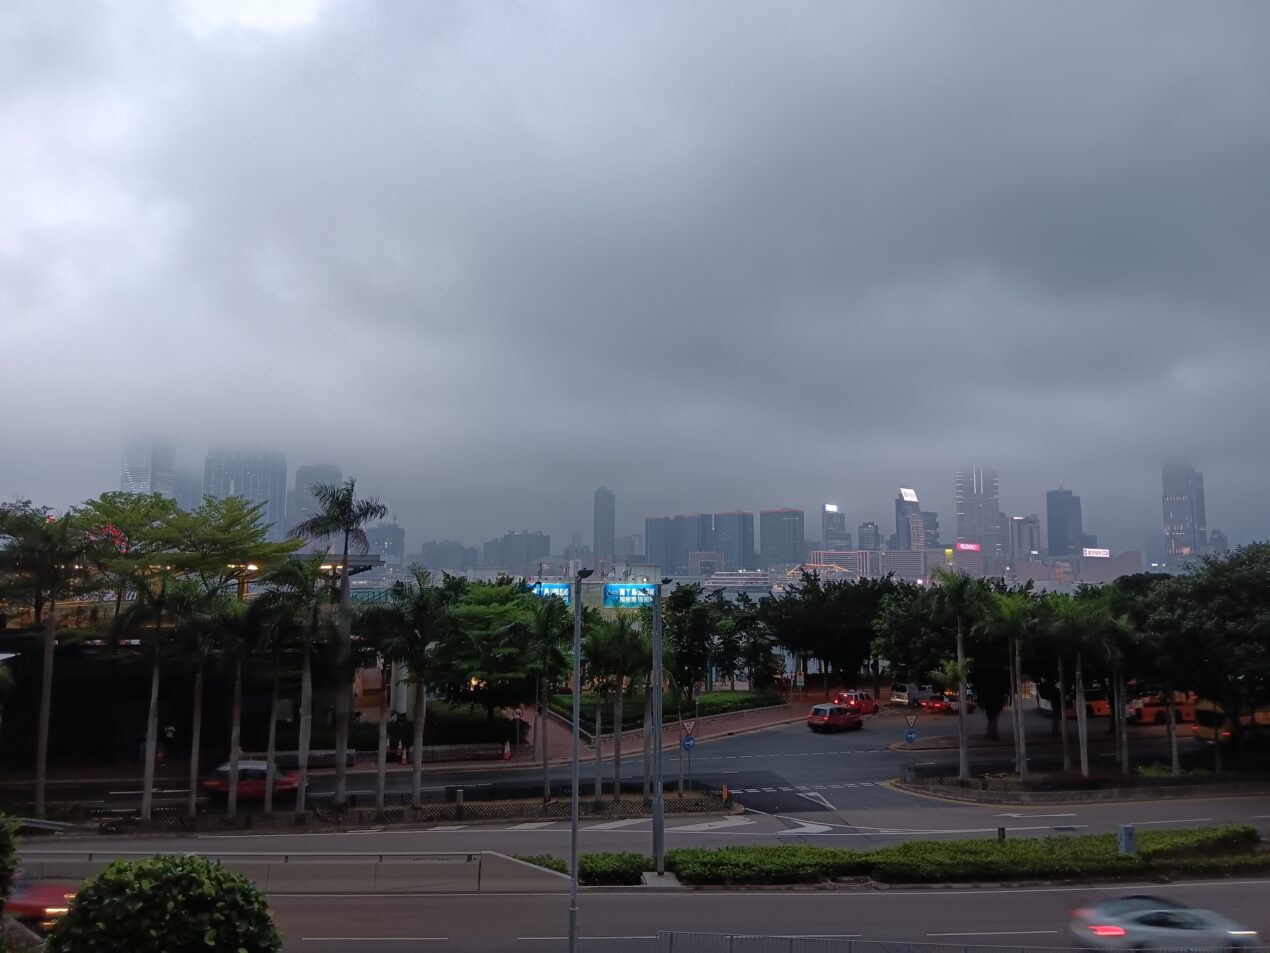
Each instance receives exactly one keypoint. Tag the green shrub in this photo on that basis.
(445, 724)
(776, 864)
(8, 857)
(1198, 841)
(166, 903)
(623, 869)
(710, 703)
(550, 861)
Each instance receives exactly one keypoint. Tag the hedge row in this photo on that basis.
(710, 703)
(1226, 849)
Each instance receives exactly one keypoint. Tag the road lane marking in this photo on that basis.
(806, 827)
(1184, 820)
(615, 825)
(723, 822)
(816, 799)
(1000, 933)
(531, 826)
(446, 827)
(1029, 816)
(375, 939)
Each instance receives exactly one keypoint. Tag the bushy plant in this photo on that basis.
(623, 869)
(775, 864)
(550, 861)
(8, 857)
(166, 903)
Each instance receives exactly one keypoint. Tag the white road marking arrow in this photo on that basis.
(806, 827)
(711, 825)
(818, 798)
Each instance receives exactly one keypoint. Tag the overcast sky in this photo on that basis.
(715, 255)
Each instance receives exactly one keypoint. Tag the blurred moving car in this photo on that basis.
(37, 906)
(948, 702)
(911, 693)
(858, 701)
(1153, 709)
(1152, 923)
(831, 717)
(251, 782)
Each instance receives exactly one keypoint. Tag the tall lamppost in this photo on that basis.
(659, 805)
(577, 716)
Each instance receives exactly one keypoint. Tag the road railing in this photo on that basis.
(678, 942)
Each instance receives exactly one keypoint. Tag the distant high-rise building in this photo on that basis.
(734, 537)
(300, 502)
(781, 537)
(389, 542)
(447, 555)
(605, 528)
(149, 468)
(870, 537)
(833, 528)
(906, 505)
(979, 510)
(520, 553)
(1218, 542)
(1063, 527)
(492, 553)
(257, 477)
(656, 534)
(1024, 538)
(930, 525)
(687, 533)
(189, 489)
(628, 547)
(1185, 525)
(916, 531)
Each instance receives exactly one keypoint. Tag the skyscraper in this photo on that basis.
(979, 509)
(734, 537)
(388, 540)
(149, 468)
(687, 533)
(906, 505)
(870, 537)
(1024, 537)
(930, 526)
(1063, 527)
(781, 537)
(1185, 525)
(656, 533)
(257, 477)
(189, 489)
(833, 528)
(521, 552)
(605, 528)
(300, 502)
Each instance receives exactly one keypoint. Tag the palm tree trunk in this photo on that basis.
(271, 752)
(235, 736)
(543, 719)
(617, 742)
(416, 748)
(1021, 725)
(46, 710)
(152, 733)
(1014, 702)
(963, 752)
(599, 752)
(1124, 726)
(343, 693)
(1082, 720)
(1062, 715)
(196, 729)
(1174, 758)
(306, 725)
(381, 764)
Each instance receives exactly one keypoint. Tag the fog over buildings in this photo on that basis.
(488, 258)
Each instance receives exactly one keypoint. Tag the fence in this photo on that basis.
(676, 942)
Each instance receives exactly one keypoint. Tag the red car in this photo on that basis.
(947, 704)
(861, 702)
(37, 906)
(251, 782)
(829, 717)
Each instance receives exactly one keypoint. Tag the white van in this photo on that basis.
(911, 693)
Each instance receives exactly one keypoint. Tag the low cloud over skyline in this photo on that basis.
(489, 257)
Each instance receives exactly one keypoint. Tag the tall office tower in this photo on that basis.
(906, 505)
(1025, 537)
(300, 502)
(389, 542)
(781, 537)
(833, 528)
(149, 468)
(492, 554)
(687, 533)
(916, 531)
(257, 477)
(189, 489)
(979, 509)
(628, 548)
(656, 535)
(1062, 522)
(734, 537)
(605, 528)
(520, 553)
(930, 524)
(1218, 543)
(870, 537)
(1185, 526)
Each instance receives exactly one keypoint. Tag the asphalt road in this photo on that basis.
(628, 921)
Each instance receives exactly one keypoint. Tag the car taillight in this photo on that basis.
(1080, 912)
(1106, 930)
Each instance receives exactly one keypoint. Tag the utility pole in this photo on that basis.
(659, 806)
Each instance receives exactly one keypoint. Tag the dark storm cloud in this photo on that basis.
(712, 255)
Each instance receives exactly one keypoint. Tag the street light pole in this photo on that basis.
(659, 806)
(577, 715)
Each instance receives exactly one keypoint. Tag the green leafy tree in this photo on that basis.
(166, 903)
(343, 516)
(629, 656)
(688, 633)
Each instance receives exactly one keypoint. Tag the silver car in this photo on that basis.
(1153, 923)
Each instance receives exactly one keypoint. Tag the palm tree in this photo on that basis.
(1072, 623)
(597, 648)
(6, 688)
(342, 514)
(958, 597)
(378, 630)
(548, 631)
(48, 556)
(1012, 616)
(245, 635)
(629, 656)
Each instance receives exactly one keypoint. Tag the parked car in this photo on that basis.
(910, 693)
(831, 717)
(37, 905)
(857, 700)
(1153, 709)
(251, 782)
(1153, 923)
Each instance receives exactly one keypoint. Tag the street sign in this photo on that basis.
(688, 726)
(911, 719)
(518, 714)
(910, 736)
(689, 742)
(800, 679)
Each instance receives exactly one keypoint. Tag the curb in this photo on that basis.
(1103, 796)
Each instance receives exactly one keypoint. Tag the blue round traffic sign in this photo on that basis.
(910, 736)
(689, 742)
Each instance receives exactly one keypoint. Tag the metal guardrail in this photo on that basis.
(677, 942)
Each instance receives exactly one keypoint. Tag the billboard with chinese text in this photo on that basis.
(628, 595)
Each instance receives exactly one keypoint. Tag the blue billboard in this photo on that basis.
(561, 590)
(628, 595)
